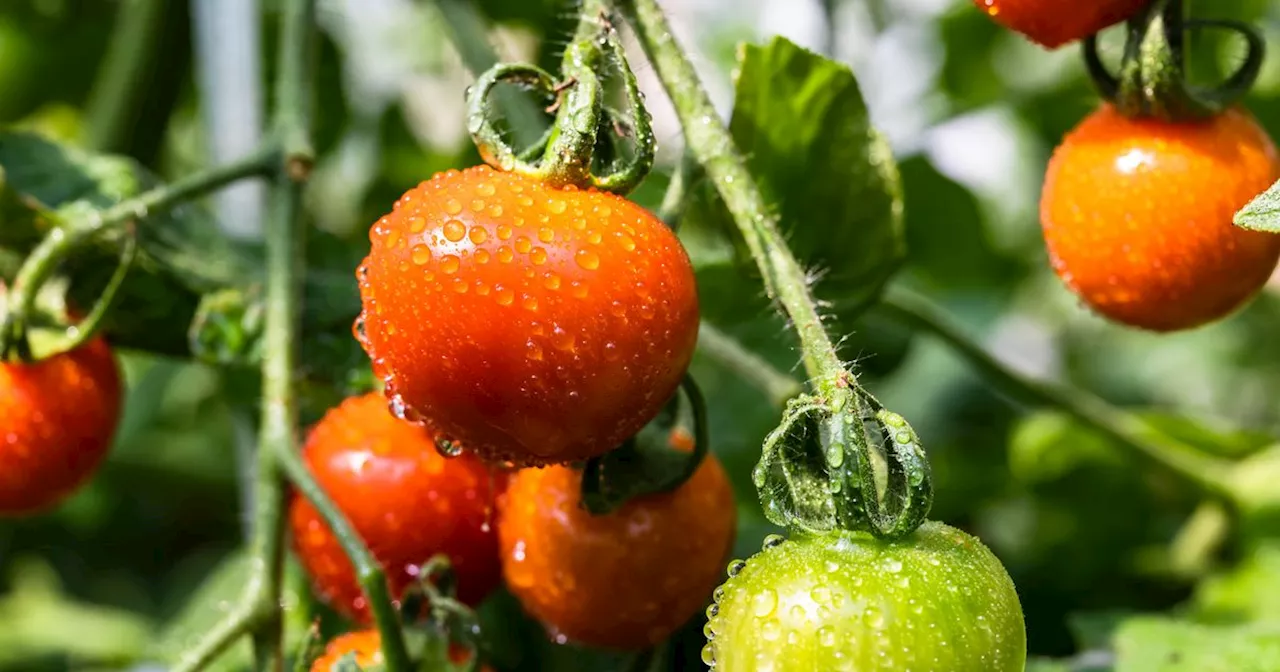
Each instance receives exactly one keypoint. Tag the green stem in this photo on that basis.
(676, 199)
(471, 38)
(726, 350)
(710, 142)
(369, 573)
(62, 241)
(121, 84)
(1208, 473)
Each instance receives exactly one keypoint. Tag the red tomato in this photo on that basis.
(366, 646)
(405, 500)
(1137, 216)
(625, 580)
(1053, 23)
(57, 420)
(533, 325)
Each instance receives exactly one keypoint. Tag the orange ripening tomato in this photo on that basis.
(1137, 216)
(626, 580)
(366, 647)
(57, 421)
(1053, 23)
(405, 500)
(533, 325)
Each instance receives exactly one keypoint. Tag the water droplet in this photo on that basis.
(764, 602)
(831, 566)
(627, 242)
(594, 238)
(538, 256)
(481, 288)
(452, 206)
(504, 232)
(611, 351)
(771, 630)
(556, 206)
(460, 285)
(482, 256)
(533, 351)
(736, 567)
(421, 254)
(477, 205)
(773, 540)
(709, 655)
(827, 636)
(504, 296)
(551, 281)
(587, 259)
(393, 237)
(478, 235)
(495, 210)
(417, 224)
(449, 264)
(758, 476)
(892, 565)
(529, 302)
(505, 255)
(523, 245)
(718, 593)
(525, 201)
(546, 235)
(563, 340)
(820, 594)
(448, 447)
(835, 455)
(713, 611)
(454, 230)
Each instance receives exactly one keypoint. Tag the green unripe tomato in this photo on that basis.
(935, 601)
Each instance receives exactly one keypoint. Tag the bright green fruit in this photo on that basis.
(936, 601)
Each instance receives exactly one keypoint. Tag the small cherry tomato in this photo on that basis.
(1053, 23)
(405, 500)
(533, 325)
(57, 420)
(1137, 216)
(625, 580)
(366, 648)
(846, 601)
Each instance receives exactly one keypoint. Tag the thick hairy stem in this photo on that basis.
(709, 140)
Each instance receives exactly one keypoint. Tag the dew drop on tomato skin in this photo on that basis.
(1137, 217)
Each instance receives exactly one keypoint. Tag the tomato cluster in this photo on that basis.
(517, 325)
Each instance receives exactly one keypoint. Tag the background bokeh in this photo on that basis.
(120, 575)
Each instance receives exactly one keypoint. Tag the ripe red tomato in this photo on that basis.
(534, 325)
(1053, 23)
(846, 601)
(625, 580)
(405, 500)
(366, 645)
(1137, 216)
(57, 420)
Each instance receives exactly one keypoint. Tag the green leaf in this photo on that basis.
(1152, 644)
(801, 121)
(1247, 592)
(1262, 213)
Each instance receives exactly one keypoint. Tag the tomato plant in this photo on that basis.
(399, 336)
(937, 599)
(407, 502)
(58, 417)
(533, 324)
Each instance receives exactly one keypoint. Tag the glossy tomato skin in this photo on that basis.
(535, 325)
(936, 601)
(405, 500)
(1053, 23)
(57, 420)
(1137, 216)
(622, 581)
(366, 645)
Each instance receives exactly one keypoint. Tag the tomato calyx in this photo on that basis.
(647, 464)
(586, 134)
(1152, 80)
(818, 469)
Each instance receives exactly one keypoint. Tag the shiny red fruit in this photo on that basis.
(1053, 23)
(57, 421)
(533, 325)
(405, 500)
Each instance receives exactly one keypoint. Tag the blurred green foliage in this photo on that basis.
(1091, 533)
